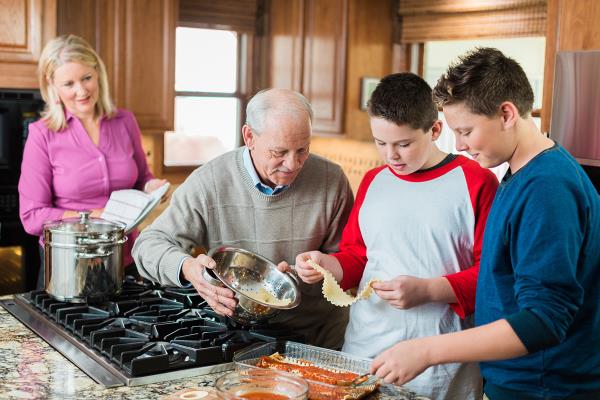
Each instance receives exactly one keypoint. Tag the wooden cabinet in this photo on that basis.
(26, 27)
(136, 40)
(308, 54)
(144, 52)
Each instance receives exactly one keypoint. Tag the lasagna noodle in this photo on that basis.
(324, 383)
(266, 297)
(334, 293)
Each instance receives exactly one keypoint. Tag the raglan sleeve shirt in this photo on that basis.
(353, 251)
(482, 185)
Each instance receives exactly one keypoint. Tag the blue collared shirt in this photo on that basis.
(256, 180)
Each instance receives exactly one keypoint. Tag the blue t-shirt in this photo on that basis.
(540, 270)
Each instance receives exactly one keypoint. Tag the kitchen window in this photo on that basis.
(527, 51)
(208, 100)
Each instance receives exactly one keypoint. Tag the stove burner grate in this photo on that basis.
(150, 330)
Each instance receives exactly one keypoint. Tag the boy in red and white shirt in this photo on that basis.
(417, 226)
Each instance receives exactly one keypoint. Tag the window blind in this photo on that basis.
(427, 20)
(233, 15)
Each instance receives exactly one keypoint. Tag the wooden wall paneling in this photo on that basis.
(146, 83)
(27, 25)
(401, 57)
(324, 78)
(573, 25)
(370, 38)
(260, 50)
(98, 22)
(80, 17)
(286, 31)
(110, 20)
(578, 25)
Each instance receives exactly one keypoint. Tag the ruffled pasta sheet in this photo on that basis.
(333, 292)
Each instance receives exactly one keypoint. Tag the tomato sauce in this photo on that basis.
(263, 396)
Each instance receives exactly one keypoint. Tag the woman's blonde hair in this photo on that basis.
(62, 50)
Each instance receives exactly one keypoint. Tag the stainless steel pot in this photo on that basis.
(84, 258)
(249, 274)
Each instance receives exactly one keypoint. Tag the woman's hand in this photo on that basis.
(96, 212)
(219, 299)
(154, 184)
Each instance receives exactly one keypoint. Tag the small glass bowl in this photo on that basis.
(259, 384)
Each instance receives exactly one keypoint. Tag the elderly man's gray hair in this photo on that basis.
(280, 102)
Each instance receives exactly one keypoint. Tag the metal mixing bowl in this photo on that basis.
(248, 274)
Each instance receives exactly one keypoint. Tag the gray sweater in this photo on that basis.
(218, 205)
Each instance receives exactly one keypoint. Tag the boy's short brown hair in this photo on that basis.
(483, 79)
(404, 99)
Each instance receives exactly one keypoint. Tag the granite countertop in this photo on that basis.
(32, 369)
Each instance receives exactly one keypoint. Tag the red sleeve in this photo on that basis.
(353, 251)
(482, 185)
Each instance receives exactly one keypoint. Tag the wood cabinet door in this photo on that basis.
(308, 54)
(26, 27)
(136, 41)
(324, 74)
(286, 39)
(144, 61)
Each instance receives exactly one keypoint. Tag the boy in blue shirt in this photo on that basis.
(537, 310)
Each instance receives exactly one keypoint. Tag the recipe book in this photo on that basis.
(131, 206)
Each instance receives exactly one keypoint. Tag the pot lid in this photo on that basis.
(84, 225)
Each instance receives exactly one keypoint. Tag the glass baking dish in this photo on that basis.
(328, 359)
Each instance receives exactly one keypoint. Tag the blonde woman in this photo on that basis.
(82, 148)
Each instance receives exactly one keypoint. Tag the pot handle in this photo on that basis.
(294, 275)
(85, 216)
(79, 254)
(210, 278)
(83, 241)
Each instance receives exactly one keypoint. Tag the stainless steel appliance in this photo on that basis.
(19, 254)
(575, 108)
(84, 258)
(144, 335)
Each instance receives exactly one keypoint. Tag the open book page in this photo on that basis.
(131, 206)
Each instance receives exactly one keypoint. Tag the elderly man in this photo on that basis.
(271, 197)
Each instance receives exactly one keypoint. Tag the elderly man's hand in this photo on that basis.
(219, 299)
(401, 362)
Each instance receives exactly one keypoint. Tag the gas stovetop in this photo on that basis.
(146, 334)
